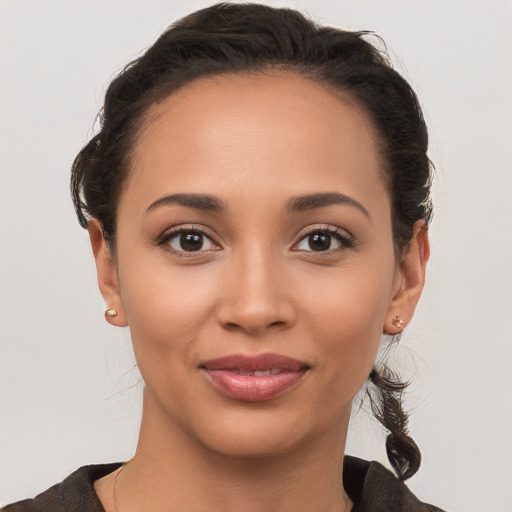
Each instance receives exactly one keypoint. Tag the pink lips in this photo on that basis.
(254, 378)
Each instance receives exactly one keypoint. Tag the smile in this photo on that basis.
(254, 378)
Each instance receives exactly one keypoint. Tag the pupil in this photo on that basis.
(191, 241)
(319, 242)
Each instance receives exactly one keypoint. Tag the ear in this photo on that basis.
(410, 280)
(106, 269)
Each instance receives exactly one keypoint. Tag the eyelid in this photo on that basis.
(345, 237)
(172, 231)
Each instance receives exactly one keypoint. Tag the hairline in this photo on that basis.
(159, 94)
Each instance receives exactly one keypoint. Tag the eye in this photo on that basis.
(322, 240)
(188, 241)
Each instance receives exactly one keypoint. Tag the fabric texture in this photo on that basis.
(371, 487)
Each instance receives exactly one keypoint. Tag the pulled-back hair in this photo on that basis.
(252, 38)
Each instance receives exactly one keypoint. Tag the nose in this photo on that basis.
(256, 296)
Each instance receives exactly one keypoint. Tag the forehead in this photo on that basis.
(255, 129)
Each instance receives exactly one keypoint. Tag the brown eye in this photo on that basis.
(324, 240)
(319, 241)
(190, 241)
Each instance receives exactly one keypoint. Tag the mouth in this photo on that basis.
(254, 378)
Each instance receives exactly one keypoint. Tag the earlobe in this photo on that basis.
(106, 269)
(411, 270)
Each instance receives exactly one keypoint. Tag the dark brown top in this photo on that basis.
(371, 487)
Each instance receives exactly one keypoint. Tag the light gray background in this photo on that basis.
(69, 394)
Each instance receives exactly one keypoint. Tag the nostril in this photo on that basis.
(253, 327)
(231, 326)
(278, 323)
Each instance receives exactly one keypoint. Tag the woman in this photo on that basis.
(257, 202)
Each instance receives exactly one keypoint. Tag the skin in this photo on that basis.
(254, 142)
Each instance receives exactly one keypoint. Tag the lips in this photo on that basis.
(254, 378)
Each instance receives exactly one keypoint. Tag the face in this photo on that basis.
(254, 237)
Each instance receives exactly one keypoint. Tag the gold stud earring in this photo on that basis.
(397, 321)
(111, 312)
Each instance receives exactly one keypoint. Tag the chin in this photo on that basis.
(250, 444)
(255, 433)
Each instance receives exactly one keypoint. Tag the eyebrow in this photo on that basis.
(319, 200)
(203, 202)
(209, 203)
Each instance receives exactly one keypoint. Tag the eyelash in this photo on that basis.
(164, 240)
(346, 240)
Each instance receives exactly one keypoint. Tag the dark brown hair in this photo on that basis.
(242, 38)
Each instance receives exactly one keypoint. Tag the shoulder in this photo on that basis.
(74, 494)
(373, 488)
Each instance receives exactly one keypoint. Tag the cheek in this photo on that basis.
(345, 315)
(166, 309)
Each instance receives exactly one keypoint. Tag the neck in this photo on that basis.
(172, 472)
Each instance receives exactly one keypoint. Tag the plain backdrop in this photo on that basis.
(69, 389)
